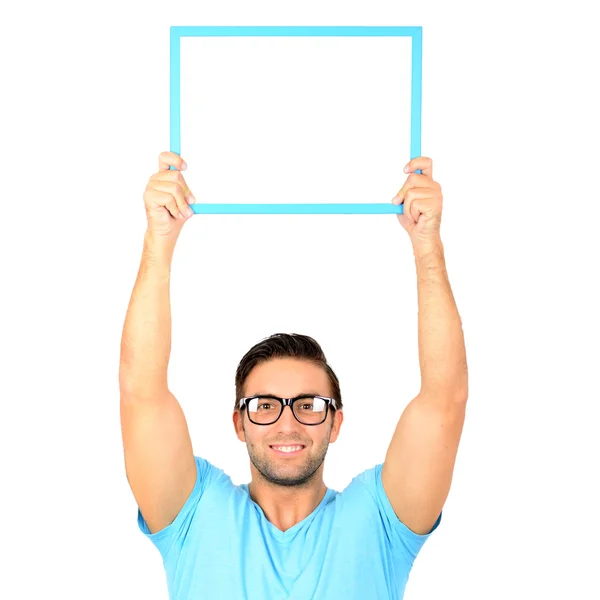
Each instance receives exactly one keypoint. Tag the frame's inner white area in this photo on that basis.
(295, 119)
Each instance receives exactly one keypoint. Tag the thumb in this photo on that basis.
(417, 208)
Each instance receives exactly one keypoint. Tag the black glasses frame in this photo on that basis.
(289, 402)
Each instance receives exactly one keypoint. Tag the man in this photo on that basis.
(286, 535)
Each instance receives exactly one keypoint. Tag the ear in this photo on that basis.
(338, 418)
(237, 423)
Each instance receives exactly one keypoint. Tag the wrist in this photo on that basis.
(158, 247)
(426, 247)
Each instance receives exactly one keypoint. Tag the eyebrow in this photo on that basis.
(275, 396)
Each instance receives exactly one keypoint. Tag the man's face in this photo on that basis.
(287, 378)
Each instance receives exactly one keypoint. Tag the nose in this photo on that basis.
(287, 418)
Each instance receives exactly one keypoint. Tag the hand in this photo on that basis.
(422, 198)
(167, 196)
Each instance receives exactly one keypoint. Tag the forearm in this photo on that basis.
(442, 354)
(146, 340)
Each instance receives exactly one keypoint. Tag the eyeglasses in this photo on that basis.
(308, 409)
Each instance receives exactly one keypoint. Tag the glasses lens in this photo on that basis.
(310, 410)
(264, 411)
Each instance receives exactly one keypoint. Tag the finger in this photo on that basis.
(170, 159)
(175, 177)
(164, 200)
(414, 180)
(173, 199)
(412, 195)
(423, 163)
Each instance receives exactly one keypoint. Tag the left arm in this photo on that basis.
(419, 463)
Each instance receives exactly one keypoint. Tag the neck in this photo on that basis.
(286, 506)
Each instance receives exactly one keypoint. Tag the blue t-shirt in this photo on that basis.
(221, 546)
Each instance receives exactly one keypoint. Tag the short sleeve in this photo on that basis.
(177, 530)
(409, 542)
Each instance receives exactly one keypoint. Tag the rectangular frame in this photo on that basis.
(416, 33)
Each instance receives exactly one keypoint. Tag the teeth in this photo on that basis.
(287, 448)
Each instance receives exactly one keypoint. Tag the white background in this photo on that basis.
(295, 119)
(510, 119)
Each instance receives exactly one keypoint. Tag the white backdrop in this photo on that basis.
(295, 119)
(510, 97)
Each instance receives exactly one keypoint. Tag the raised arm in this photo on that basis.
(419, 463)
(159, 460)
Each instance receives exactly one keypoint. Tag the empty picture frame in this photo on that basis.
(298, 119)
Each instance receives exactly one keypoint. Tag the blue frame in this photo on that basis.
(416, 33)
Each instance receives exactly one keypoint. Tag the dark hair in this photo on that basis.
(285, 345)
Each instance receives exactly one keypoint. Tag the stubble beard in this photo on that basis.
(284, 472)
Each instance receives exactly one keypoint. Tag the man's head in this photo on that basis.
(287, 366)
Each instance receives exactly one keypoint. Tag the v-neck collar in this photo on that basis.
(289, 534)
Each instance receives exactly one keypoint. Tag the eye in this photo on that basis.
(266, 406)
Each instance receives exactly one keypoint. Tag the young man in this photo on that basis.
(285, 535)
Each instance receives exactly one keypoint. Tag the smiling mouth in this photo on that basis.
(288, 450)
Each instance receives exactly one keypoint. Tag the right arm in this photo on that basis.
(159, 460)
